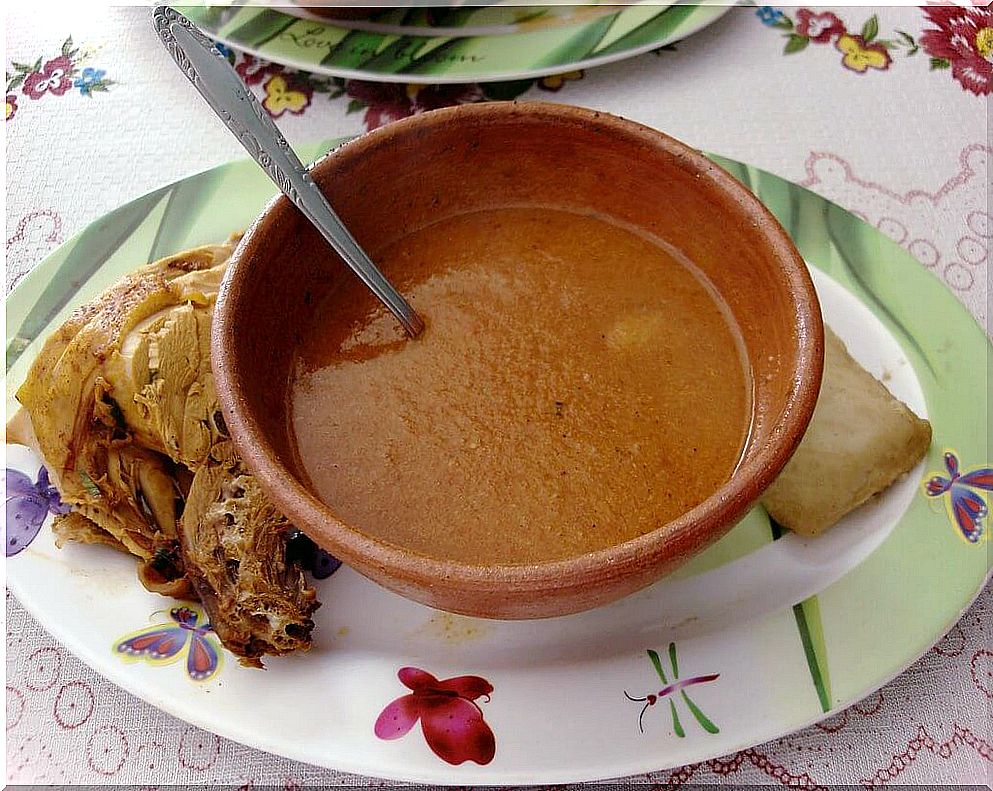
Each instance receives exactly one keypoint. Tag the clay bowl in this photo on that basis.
(407, 174)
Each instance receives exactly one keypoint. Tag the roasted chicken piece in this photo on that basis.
(160, 372)
(73, 526)
(234, 545)
(121, 405)
(79, 408)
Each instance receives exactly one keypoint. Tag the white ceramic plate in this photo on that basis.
(755, 638)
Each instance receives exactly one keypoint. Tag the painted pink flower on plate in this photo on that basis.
(820, 28)
(963, 40)
(451, 721)
(55, 77)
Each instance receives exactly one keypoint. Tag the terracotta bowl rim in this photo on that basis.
(726, 505)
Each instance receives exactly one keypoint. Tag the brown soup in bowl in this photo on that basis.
(579, 384)
(623, 349)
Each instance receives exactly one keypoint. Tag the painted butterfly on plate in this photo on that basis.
(166, 643)
(27, 506)
(967, 506)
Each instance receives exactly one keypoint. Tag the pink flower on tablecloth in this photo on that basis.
(55, 77)
(819, 28)
(963, 40)
(451, 721)
(11, 106)
(253, 70)
(385, 102)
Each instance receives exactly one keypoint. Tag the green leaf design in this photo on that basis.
(808, 624)
(677, 726)
(795, 43)
(212, 17)
(354, 106)
(870, 29)
(657, 664)
(940, 63)
(854, 250)
(261, 28)
(909, 42)
(783, 23)
(655, 29)
(580, 46)
(67, 47)
(672, 660)
(186, 201)
(459, 17)
(403, 53)
(700, 717)
(90, 250)
(15, 82)
(355, 50)
(907, 39)
(37, 65)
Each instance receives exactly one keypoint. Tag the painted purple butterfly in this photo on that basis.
(164, 643)
(27, 506)
(967, 506)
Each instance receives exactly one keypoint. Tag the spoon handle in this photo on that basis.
(220, 86)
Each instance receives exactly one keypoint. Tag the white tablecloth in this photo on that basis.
(905, 144)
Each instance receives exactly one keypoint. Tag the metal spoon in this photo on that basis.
(219, 84)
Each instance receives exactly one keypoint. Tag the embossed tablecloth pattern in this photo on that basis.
(896, 132)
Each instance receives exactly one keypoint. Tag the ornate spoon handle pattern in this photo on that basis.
(241, 112)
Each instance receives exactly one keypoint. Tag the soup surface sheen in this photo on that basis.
(577, 385)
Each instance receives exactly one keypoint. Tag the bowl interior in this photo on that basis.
(411, 174)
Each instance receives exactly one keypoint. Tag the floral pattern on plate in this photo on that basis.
(451, 720)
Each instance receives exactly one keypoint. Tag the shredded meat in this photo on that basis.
(121, 405)
(73, 526)
(234, 544)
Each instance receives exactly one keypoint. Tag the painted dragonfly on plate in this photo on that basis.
(669, 689)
